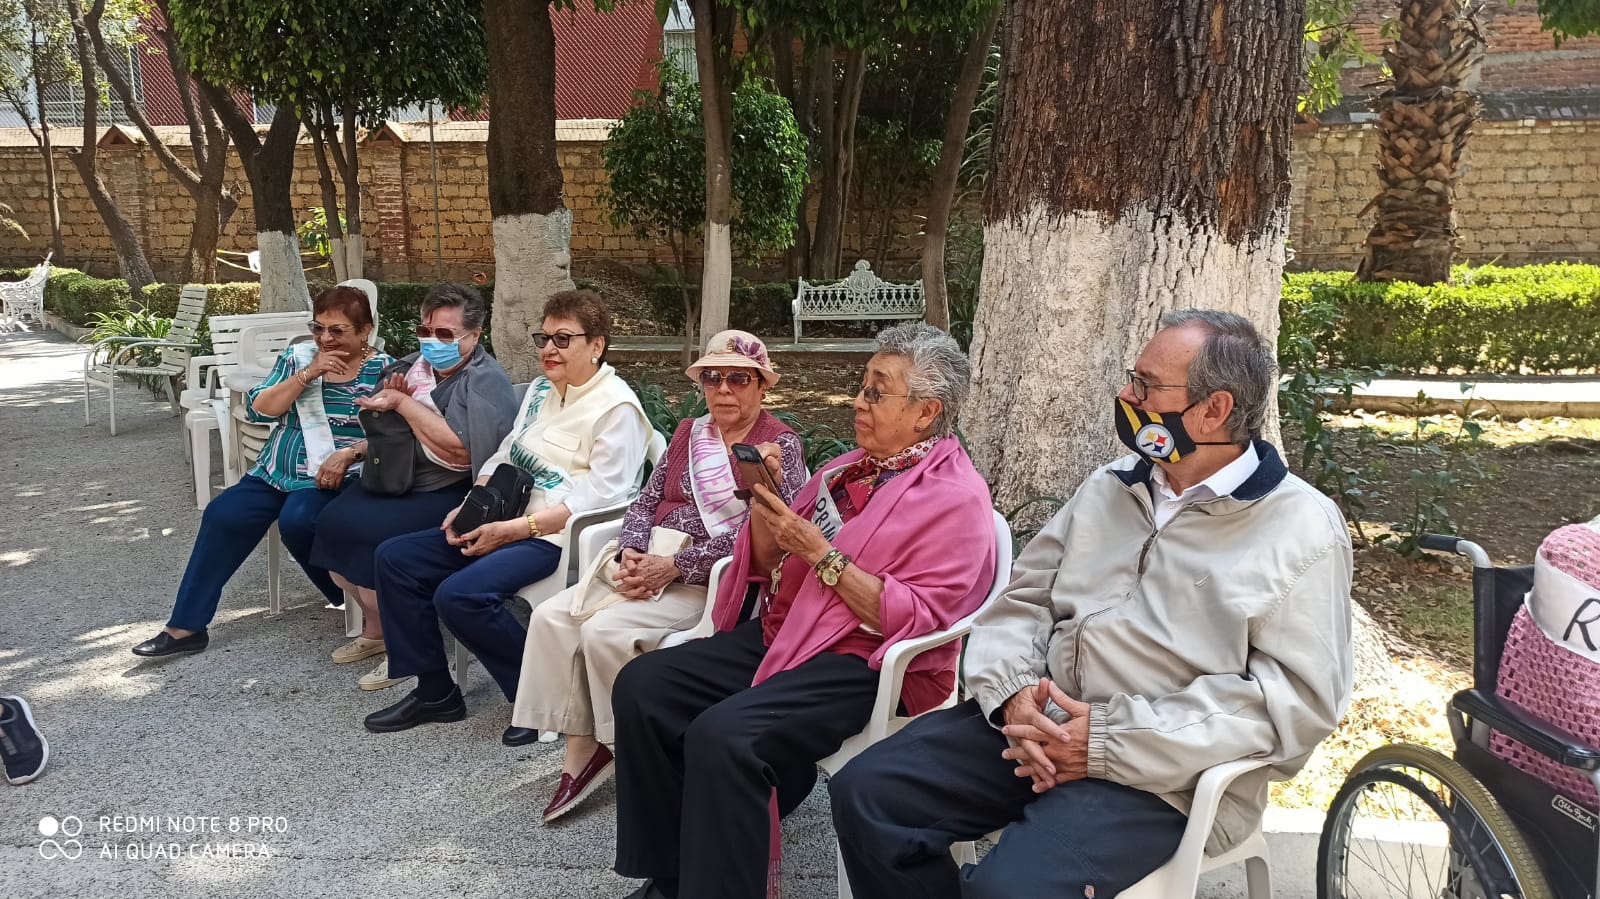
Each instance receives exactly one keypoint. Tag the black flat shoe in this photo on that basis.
(411, 711)
(164, 644)
(520, 736)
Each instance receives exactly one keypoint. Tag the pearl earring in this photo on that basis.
(594, 360)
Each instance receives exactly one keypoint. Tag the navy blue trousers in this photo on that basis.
(423, 580)
(231, 527)
(901, 804)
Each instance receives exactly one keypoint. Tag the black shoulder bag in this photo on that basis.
(390, 468)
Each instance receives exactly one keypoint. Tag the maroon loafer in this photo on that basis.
(574, 790)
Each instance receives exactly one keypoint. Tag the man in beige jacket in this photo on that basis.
(1189, 606)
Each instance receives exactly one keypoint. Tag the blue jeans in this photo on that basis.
(231, 527)
(423, 580)
(901, 803)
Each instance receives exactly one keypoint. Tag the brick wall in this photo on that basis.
(1531, 193)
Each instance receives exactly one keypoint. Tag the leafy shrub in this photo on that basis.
(1537, 318)
(76, 296)
(137, 324)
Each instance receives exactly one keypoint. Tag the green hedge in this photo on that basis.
(1535, 319)
(763, 309)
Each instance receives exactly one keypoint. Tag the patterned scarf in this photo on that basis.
(860, 478)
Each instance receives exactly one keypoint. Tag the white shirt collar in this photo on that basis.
(1224, 481)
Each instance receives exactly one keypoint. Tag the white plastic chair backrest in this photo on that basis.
(225, 332)
(253, 259)
(185, 324)
(371, 290)
(258, 342)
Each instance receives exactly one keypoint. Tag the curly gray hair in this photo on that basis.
(939, 370)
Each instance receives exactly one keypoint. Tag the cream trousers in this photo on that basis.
(568, 666)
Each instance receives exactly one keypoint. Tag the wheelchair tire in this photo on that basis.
(1486, 856)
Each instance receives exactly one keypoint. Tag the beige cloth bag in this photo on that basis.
(598, 587)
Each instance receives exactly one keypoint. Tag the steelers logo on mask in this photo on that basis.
(1155, 441)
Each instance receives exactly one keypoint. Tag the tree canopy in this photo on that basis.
(1570, 18)
(370, 55)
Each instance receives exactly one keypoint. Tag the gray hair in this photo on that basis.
(456, 295)
(1234, 358)
(939, 369)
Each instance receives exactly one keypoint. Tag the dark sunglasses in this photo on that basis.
(711, 380)
(318, 329)
(561, 339)
(448, 335)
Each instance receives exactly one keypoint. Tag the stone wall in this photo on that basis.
(1531, 193)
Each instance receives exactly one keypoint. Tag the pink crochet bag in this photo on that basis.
(1550, 667)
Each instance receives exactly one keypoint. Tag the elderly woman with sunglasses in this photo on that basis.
(441, 414)
(312, 394)
(680, 526)
(579, 439)
(717, 737)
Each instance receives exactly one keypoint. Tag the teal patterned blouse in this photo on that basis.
(283, 459)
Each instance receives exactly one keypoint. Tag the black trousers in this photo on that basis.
(901, 804)
(699, 752)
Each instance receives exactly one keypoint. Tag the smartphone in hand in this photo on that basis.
(753, 470)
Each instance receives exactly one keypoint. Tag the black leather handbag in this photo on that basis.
(504, 497)
(391, 463)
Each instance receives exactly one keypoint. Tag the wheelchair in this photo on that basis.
(1412, 822)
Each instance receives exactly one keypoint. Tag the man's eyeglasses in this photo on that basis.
(318, 329)
(711, 380)
(1142, 387)
(448, 335)
(874, 396)
(561, 339)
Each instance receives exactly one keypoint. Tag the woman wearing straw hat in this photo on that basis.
(653, 582)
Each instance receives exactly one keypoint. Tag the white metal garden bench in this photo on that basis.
(115, 356)
(863, 295)
(25, 299)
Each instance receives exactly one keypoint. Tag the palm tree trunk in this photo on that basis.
(1425, 115)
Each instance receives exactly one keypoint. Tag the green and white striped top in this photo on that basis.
(283, 459)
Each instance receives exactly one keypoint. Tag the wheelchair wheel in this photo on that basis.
(1404, 794)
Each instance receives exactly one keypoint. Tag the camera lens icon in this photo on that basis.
(70, 826)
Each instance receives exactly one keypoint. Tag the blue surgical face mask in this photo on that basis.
(442, 356)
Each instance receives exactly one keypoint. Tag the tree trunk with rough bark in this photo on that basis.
(838, 116)
(1143, 167)
(1425, 115)
(131, 260)
(330, 198)
(52, 193)
(269, 164)
(713, 30)
(946, 175)
(532, 226)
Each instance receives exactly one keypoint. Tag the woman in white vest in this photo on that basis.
(652, 583)
(580, 438)
(316, 445)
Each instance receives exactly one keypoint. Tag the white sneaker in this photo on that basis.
(378, 678)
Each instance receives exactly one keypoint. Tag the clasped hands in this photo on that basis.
(391, 393)
(642, 576)
(1045, 751)
(486, 538)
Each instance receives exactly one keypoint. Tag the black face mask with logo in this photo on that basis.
(1158, 436)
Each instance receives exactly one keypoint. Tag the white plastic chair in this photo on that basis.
(24, 299)
(205, 397)
(103, 363)
(566, 573)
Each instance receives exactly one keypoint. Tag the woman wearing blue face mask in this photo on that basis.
(441, 414)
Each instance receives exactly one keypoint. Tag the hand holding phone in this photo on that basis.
(752, 470)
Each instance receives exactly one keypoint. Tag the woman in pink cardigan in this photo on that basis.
(889, 542)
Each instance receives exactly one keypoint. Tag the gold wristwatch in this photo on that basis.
(831, 566)
(533, 529)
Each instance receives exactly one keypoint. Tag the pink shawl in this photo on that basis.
(928, 533)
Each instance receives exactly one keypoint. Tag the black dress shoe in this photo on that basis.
(412, 711)
(164, 644)
(519, 736)
(647, 890)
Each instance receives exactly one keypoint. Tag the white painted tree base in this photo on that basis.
(1049, 346)
(283, 281)
(716, 279)
(532, 261)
